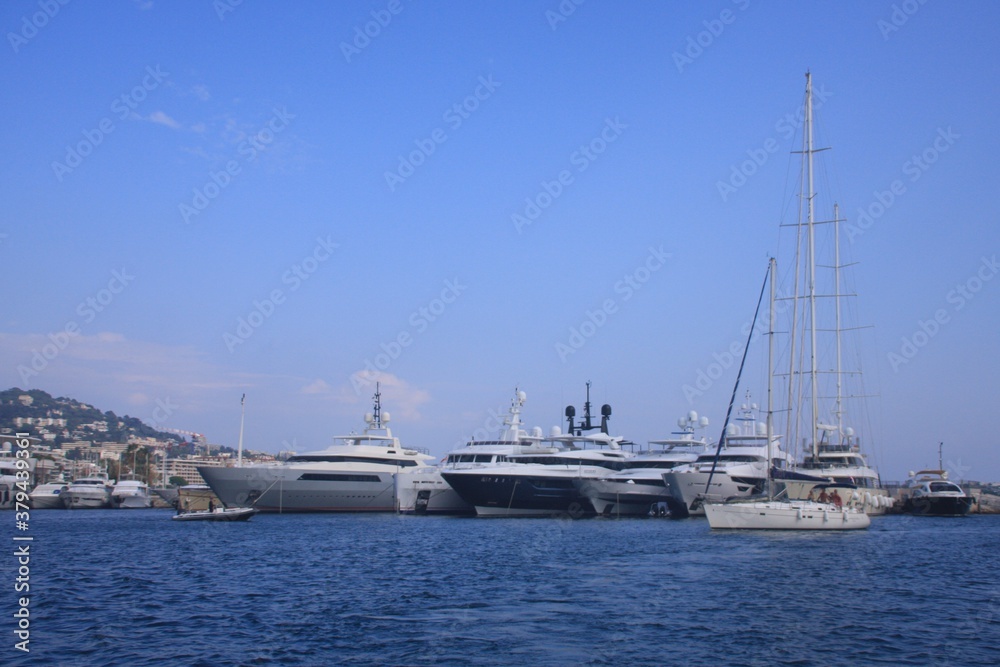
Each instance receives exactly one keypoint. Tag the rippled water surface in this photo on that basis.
(134, 588)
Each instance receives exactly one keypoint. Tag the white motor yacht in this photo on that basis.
(131, 494)
(738, 469)
(424, 491)
(639, 489)
(47, 496)
(356, 476)
(92, 492)
(544, 483)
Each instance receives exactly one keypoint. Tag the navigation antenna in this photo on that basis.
(377, 414)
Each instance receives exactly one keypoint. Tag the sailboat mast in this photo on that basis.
(811, 265)
(836, 300)
(769, 427)
(239, 455)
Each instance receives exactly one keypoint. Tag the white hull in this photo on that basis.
(784, 515)
(281, 489)
(86, 499)
(687, 489)
(47, 496)
(131, 494)
(624, 497)
(133, 502)
(426, 492)
(876, 502)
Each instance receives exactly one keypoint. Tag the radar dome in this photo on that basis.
(385, 417)
(693, 416)
(521, 396)
(703, 422)
(368, 418)
(555, 432)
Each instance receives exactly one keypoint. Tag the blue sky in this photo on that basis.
(218, 199)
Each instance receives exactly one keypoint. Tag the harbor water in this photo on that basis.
(134, 588)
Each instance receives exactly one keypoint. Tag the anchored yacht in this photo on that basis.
(355, 476)
(543, 483)
(639, 489)
(92, 492)
(424, 490)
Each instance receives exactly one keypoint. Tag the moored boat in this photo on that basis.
(47, 496)
(217, 514)
(92, 492)
(424, 491)
(357, 476)
(929, 493)
(131, 494)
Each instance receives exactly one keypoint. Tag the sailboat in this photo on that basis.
(777, 512)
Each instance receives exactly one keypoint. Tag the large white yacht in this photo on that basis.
(424, 491)
(93, 492)
(131, 494)
(738, 469)
(844, 465)
(355, 476)
(543, 483)
(46, 496)
(639, 488)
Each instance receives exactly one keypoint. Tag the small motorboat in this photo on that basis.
(218, 514)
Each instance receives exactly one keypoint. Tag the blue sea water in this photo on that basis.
(134, 588)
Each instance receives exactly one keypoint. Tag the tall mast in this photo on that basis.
(770, 377)
(243, 411)
(810, 196)
(836, 300)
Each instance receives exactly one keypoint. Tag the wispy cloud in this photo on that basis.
(398, 395)
(163, 119)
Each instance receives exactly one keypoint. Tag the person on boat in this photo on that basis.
(836, 499)
(823, 498)
(811, 497)
(211, 505)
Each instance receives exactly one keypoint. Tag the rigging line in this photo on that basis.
(739, 374)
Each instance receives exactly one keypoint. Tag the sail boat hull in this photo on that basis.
(784, 515)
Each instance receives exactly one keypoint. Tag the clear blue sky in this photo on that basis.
(172, 168)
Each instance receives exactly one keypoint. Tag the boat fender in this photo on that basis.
(878, 500)
(868, 498)
(798, 513)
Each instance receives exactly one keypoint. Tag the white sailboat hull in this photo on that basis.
(784, 515)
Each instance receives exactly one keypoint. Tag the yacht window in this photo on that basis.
(337, 477)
